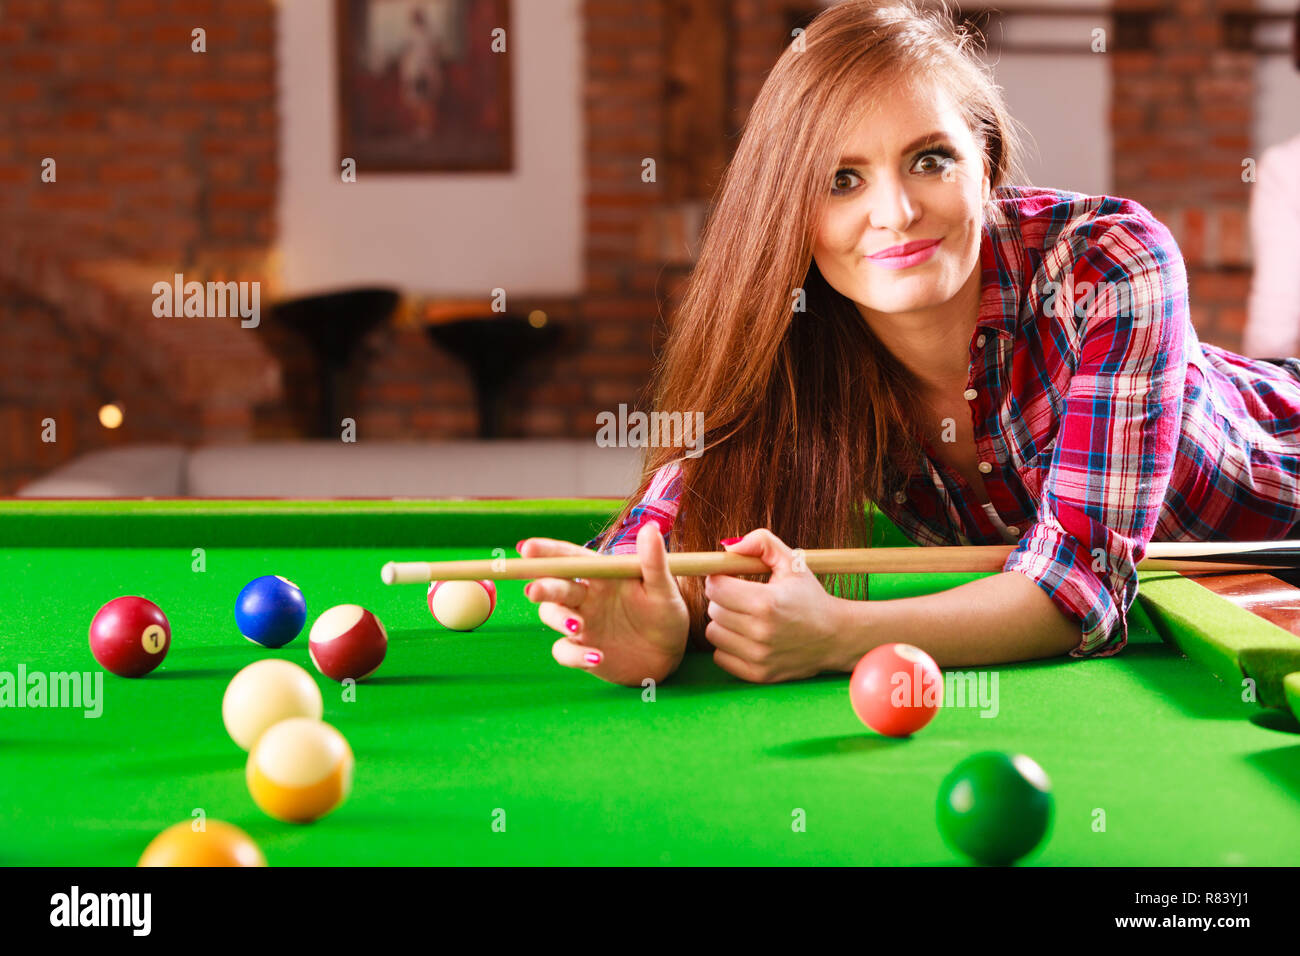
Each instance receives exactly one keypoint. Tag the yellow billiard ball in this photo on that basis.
(215, 844)
(299, 770)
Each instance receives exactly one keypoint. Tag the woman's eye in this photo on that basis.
(840, 182)
(932, 162)
(935, 161)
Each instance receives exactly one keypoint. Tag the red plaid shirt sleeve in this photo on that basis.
(1110, 468)
(658, 504)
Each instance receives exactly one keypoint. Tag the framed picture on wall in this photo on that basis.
(421, 87)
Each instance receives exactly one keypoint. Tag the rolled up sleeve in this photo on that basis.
(658, 504)
(1113, 456)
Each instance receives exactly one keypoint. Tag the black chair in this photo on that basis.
(493, 349)
(333, 325)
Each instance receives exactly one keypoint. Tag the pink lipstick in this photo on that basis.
(907, 255)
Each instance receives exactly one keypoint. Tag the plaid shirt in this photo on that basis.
(1101, 422)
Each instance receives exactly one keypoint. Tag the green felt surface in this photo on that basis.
(1230, 640)
(458, 730)
(1291, 689)
(274, 523)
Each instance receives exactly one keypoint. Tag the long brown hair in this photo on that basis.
(807, 416)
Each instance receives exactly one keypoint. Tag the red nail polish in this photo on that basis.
(572, 625)
(520, 544)
(528, 591)
(727, 541)
(592, 657)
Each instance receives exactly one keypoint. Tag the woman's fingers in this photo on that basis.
(735, 621)
(737, 666)
(561, 618)
(558, 590)
(549, 548)
(653, 556)
(733, 644)
(569, 654)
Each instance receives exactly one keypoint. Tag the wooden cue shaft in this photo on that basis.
(973, 558)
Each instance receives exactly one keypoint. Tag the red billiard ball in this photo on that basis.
(130, 636)
(347, 642)
(896, 689)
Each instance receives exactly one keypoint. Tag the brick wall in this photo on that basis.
(1181, 122)
(166, 163)
(649, 63)
(624, 42)
(52, 370)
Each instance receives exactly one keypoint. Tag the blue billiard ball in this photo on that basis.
(270, 611)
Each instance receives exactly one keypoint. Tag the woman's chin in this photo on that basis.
(898, 304)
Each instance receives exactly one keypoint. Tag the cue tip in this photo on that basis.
(388, 574)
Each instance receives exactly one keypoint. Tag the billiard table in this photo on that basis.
(476, 748)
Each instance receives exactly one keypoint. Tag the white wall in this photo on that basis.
(1277, 87)
(1062, 102)
(446, 234)
(1061, 105)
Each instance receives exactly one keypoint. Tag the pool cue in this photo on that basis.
(1186, 557)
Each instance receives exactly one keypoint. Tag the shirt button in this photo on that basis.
(900, 497)
(980, 341)
(970, 394)
(985, 468)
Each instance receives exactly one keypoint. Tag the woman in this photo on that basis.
(877, 316)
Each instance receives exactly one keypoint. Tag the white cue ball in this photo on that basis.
(265, 693)
(462, 605)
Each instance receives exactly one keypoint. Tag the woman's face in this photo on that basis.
(896, 185)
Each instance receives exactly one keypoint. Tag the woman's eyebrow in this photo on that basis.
(914, 144)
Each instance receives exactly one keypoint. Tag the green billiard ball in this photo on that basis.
(995, 807)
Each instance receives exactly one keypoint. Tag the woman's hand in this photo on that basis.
(778, 630)
(622, 630)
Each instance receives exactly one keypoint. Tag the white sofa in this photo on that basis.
(332, 469)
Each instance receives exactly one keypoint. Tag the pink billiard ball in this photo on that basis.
(896, 689)
(130, 636)
(462, 605)
(347, 643)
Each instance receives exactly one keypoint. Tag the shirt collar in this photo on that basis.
(1002, 262)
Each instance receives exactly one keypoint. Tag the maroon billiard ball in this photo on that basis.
(130, 636)
(347, 643)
